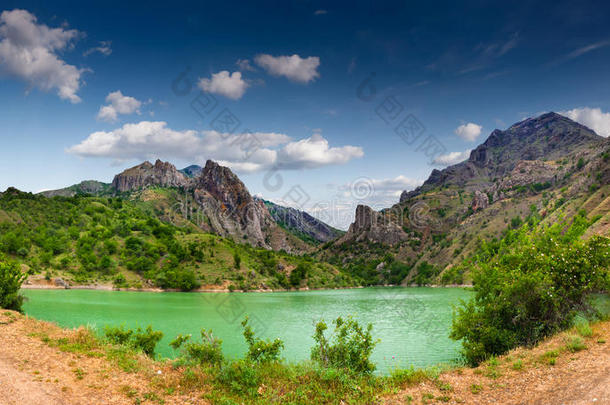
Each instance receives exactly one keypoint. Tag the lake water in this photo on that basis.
(412, 323)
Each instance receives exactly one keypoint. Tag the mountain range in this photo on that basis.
(548, 166)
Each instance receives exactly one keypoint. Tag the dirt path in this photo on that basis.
(528, 377)
(34, 371)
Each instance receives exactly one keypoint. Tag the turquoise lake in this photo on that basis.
(412, 323)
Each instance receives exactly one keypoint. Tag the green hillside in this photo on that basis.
(132, 243)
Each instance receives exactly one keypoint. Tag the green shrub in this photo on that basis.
(208, 351)
(350, 346)
(142, 339)
(11, 279)
(530, 287)
(259, 350)
(240, 376)
(117, 335)
(146, 340)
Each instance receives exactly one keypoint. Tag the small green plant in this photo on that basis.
(517, 365)
(259, 350)
(351, 346)
(476, 388)
(575, 344)
(79, 373)
(208, 351)
(584, 329)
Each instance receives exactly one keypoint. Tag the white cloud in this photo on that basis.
(468, 132)
(593, 118)
(451, 158)
(119, 104)
(295, 68)
(315, 152)
(230, 85)
(103, 48)
(29, 51)
(249, 152)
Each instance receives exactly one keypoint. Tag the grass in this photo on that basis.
(575, 344)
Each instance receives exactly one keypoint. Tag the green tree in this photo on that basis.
(11, 279)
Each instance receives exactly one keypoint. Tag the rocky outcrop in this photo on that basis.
(230, 208)
(161, 174)
(377, 227)
(480, 201)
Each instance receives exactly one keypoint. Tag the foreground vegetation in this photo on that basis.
(530, 285)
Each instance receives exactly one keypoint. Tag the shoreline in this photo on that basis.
(220, 290)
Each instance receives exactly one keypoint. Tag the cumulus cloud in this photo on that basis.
(451, 158)
(103, 48)
(315, 152)
(295, 68)
(119, 104)
(468, 132)
(593, 118)
(29, 51)
(245, 152)
(230, 85)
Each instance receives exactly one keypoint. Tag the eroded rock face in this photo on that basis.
(230, 208)
(162, 174)
(373, 226)
(480, 201)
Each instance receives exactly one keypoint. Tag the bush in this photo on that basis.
(208, 351)
(142, 339)
(11, 279)
(146, 340)
(259, 350)
(351, 346)
(240, 376)
(531, 287)
(117, 334)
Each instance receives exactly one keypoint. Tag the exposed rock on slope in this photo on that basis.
(162, 174)
(377, 227)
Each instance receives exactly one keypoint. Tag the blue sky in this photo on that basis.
(295, 74)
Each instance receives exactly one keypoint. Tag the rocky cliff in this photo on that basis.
(161, 174)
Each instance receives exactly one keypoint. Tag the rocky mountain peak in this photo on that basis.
(162, 174)
(550, 136)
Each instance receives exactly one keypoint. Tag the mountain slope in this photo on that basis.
(548, 166)
(301, 224)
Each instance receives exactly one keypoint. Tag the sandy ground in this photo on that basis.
(35, 372)
(576, 378)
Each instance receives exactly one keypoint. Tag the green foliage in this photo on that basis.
(260, 350)
(529, 286)
(146, 340)
(141, 339)
(209, 351)
(426, 272)
(350, 346)
(11, 279)
(299, 274)
(117, 335)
